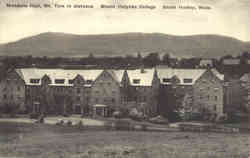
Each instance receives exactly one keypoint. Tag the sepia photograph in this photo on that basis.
(124, 79)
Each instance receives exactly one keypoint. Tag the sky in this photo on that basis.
(226, 17)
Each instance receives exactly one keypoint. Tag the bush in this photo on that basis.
(60, 122)
(135, 115)
(66, 115)
(69, 123)
(117, 114)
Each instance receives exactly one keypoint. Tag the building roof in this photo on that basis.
(143, 78)
(231, 61)
(116, 74)
(218, 74)
(181, 74)
(35, 73)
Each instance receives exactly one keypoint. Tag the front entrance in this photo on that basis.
(100, 110)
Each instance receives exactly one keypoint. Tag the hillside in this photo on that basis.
(70, 45)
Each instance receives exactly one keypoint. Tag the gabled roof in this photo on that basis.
(194, 74)
(35, 73)
(145, 78)
(218, 74)
(116, 74)
(182, 74)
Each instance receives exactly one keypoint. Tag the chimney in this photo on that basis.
(142, 69)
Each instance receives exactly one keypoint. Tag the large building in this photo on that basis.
(63, 91)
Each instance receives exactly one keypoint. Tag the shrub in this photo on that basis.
(117, 114)
(69, 123)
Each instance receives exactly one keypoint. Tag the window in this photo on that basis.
(89, 81)
(18, 88)
(201, 97)
(78, 90)
(113, 100)
(215, 98)
(78, 99)
(4, 96)
(166, 80)
(4, 89)
(96, 92)
(187, 80)
(208, 97)
(96, 100)
(215, 108)
(136, 81)
(59, 81)
(34, 80)
(71, 81)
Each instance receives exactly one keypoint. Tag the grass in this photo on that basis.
(49, 141)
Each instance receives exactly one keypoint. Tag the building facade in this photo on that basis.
(63, 91)
(208, 94)
(188, 85)
(12, 93)
(141, 88)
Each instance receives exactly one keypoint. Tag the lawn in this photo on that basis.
(50, 141)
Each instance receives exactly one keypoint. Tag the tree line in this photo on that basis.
(116, 62)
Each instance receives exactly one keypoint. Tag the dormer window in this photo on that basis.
(166, 80)
(34, 80)
(89, 81)
(187, 80)
(59, 81)
(71, 81)
(136, 81)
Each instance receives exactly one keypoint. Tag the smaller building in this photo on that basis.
(245, 87)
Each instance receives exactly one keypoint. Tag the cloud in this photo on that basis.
(227, 17)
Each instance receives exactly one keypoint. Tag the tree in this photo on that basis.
(166, 59)
(152, 59)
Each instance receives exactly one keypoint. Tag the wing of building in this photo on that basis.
(204, 86)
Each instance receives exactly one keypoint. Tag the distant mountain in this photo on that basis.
(70, 45)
